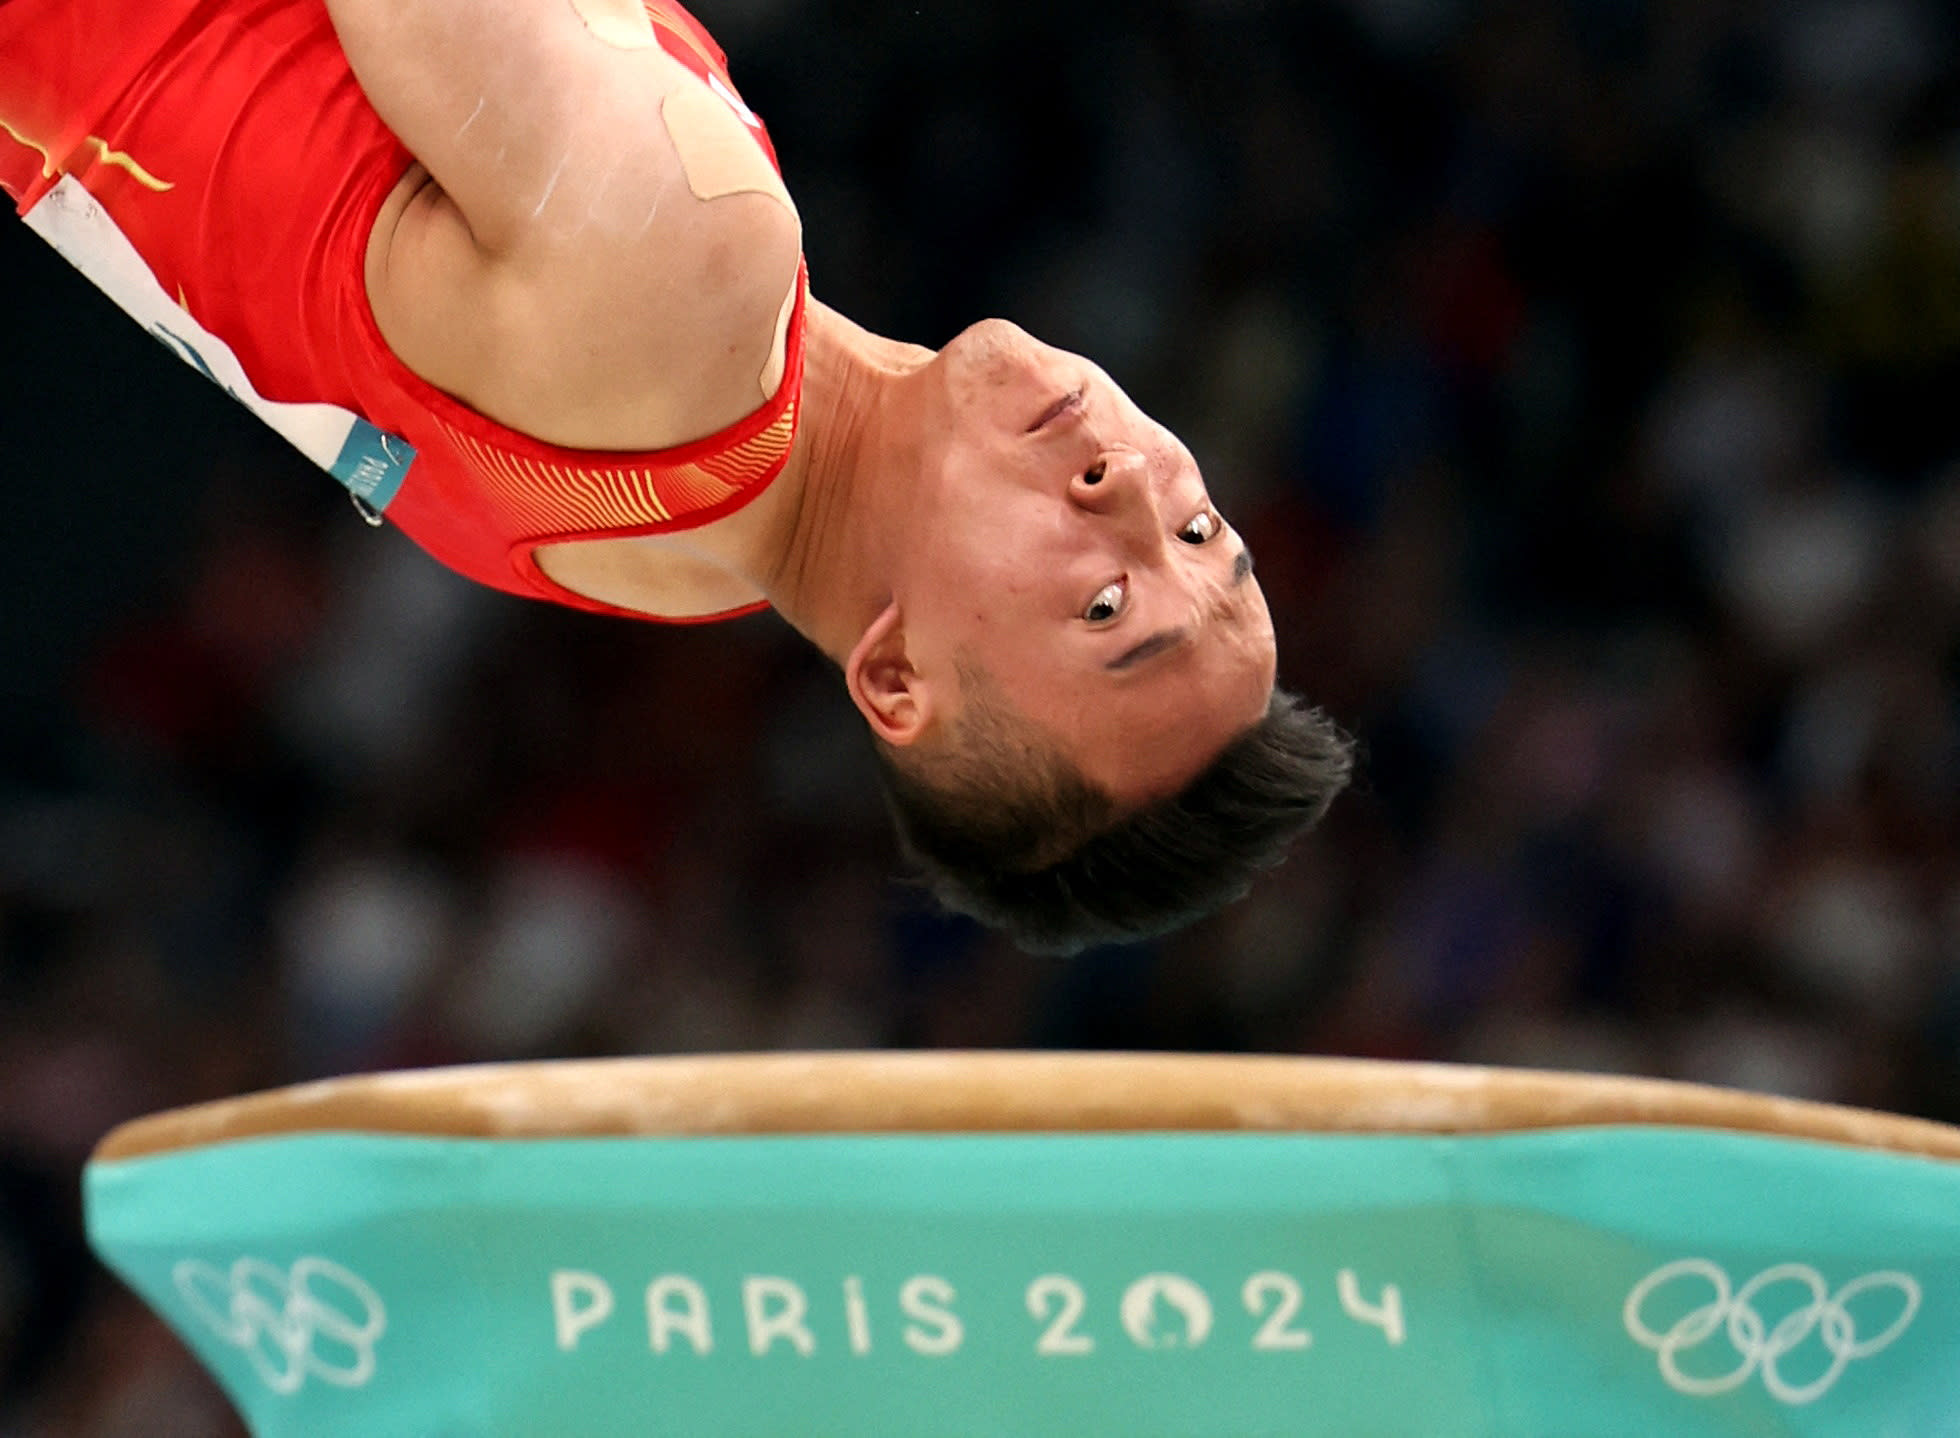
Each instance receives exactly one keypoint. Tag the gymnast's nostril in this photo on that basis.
(1094, 474)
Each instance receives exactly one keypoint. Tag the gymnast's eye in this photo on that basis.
(1201, 527)
(1107, 604)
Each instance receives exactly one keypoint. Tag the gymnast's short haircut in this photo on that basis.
(1001, 826)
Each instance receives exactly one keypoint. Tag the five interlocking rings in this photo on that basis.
(1826, 1314)
(276, 1317)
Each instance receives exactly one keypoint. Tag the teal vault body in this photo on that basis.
(1616, 1280)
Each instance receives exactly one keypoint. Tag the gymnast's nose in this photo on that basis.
(1117, 485)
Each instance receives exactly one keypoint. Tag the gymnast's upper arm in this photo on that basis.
(549, 124)
(605, 254)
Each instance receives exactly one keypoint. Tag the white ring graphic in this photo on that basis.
(275, 1318)
(1826, 1314)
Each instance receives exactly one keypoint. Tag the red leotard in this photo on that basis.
(215, 167)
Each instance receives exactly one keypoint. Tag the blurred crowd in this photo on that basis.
(1583, 374)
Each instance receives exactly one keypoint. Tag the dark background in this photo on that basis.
(1583, 374)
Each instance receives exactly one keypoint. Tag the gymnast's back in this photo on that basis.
(499, 296)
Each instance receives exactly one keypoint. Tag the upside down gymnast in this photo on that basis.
(523, 275)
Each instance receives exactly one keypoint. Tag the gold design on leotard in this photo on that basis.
(537, 497)
(119, 159)
(48, 170)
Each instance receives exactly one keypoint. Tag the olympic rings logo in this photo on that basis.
(278, 1319)
(1827, 1315)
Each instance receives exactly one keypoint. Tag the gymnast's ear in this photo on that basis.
(895, 700)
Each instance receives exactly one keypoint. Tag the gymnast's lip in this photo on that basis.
(1068, 403)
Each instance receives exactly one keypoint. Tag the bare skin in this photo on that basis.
(999, 503)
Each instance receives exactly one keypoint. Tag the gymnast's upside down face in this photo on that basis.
(1069, 550)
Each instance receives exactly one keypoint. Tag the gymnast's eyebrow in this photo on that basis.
(1149, 649)
(1165, 639)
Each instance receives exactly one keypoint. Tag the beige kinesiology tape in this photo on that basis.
(720, 156)
(718, 152)
(622, 24)
(771, 377)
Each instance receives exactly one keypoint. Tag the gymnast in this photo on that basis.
(523, 275)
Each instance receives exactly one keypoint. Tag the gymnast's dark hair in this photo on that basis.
(1004, 828)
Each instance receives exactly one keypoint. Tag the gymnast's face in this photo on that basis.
(1065, 543)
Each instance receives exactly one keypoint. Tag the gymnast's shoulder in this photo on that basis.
(626, 284)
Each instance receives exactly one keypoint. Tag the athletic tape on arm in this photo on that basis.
(622, 24)
(720, 156)
(717, 149)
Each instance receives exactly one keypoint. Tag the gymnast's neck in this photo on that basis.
(845, 500)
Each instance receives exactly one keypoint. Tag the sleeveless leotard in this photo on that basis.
(215, 168)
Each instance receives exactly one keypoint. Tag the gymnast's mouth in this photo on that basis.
(1071, 401)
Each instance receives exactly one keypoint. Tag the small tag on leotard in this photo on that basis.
(368, 462)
